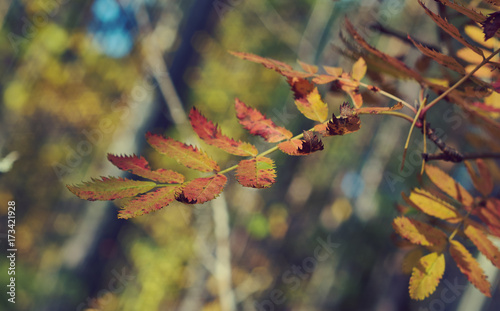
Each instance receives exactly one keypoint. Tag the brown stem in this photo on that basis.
(469, 156)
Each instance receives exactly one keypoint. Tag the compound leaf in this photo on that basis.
(140, 167)
(470, 267)
(257, 124)
(212, 135)
(201, 190)
(149, 202)
(483, 244)
(448, 185)
(426, 275)
(110, 188)
(184, 154)
(258, 172)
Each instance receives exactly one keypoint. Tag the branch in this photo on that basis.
(469, 156)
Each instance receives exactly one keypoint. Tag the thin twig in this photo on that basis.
(468, 156)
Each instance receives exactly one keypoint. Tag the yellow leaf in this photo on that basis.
(426, 275)
(470, 267)
(419, 233)
(448, 185)
(359, 69)
(433, 206)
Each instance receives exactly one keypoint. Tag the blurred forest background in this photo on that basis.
(84, 78)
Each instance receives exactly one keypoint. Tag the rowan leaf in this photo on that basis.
(257, 172)
(483, 244)
(184, 154)
(308, 68)
(280, 67)
(140, 167)
(201, 190)
(433, 206)
(347, 122)
(482, 182)
(470, 267)
(470, 13)
(448, 185)
(411, 260)
(426, 275)
(444, 60)
(212, 135)
(359, 69)
(110, 188)
(257, 124)
(308, 100)
(400, 67)
(450, 29)
(491, 25)
(419, 233)
(149, 202)
(295, 147)
(377, 110)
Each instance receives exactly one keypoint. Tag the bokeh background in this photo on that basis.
(80, 79)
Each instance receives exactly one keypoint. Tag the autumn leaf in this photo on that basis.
(444, 60)
(483, 244)
(149, 202)
(482, 182)
(309, 144)
(470, 267)
(140, 167)
(359, 69)
(201, 190)
(377, 110)
(333, 71)
(184, 154)
(110, 188)
(419, 233)
(448, 185)
(433, 206)
(411, 260)
(308, 68)
(280, 67)
(490, 215)
(212, 135)
(470, 13)
(450, 29)
(257, 172)
(352, 89)
(426, 275)
(347, 122)
(308, 100)
(257, 124)
(491, 25)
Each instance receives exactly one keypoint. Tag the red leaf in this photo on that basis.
(201, 190)
(212, 135)
(256, 173)
(470, 13)
(149, 202)
(110, 188)
(308, 100)
(470, 267)
(140, 167)
(253, 121)
(444, 60)
(186, 155)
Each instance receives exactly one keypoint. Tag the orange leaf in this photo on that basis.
(377, 110)
(411, 260)
(359, 69)
(309, 144)
(280, 67)
(448, 185)
(253, 121)
(444, 60)
(212, 135)
(419, 233)
(426, 275)
(484, 182)
(201, 190)
(308, 100)
(483, 244)
(308, 68)
(110, 188)
(333, 71)
(470, 267)
(149, 202)
(140, 167)
(450, 29)
(256, 173)
(433, 206)
(490, 215)
(323, 79)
